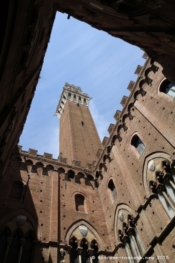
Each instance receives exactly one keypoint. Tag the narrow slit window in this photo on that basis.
(112, 188)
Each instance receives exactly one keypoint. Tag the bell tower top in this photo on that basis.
(74, 94)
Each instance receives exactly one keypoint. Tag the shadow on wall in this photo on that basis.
(19, 228)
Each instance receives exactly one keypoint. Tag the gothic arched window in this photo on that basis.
(83, 251)
(112, 189)
(164, 187)
(168, 88)
(128, 235)
(80, 203)
(137, 143)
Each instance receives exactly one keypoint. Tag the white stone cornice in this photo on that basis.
(74, 94)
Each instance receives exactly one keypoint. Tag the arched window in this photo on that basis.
(112, 189)
(168, 88)
(16, 191)
(137, 143)
(164, 187)
(80, 203)
(129, 236)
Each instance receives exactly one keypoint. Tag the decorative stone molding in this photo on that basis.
(74, 94)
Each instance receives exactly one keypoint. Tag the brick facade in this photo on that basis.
(118, 202)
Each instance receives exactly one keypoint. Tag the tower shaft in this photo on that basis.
(79, 139)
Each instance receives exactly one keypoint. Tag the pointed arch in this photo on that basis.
(90, 227)
(159, 179)
(119, 207)
(33, 221)
(148, 158)
(127, 233)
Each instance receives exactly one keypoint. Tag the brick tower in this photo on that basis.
(79, 140)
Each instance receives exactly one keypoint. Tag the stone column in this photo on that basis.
(62, 255)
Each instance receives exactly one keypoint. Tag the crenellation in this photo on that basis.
(111, 128)
(74, 94)
(124, 101)
(117, 115)
(105, 141)
(138, 70)
(131, 85)
(33, 152)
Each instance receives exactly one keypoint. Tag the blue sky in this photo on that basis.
(81, 55)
